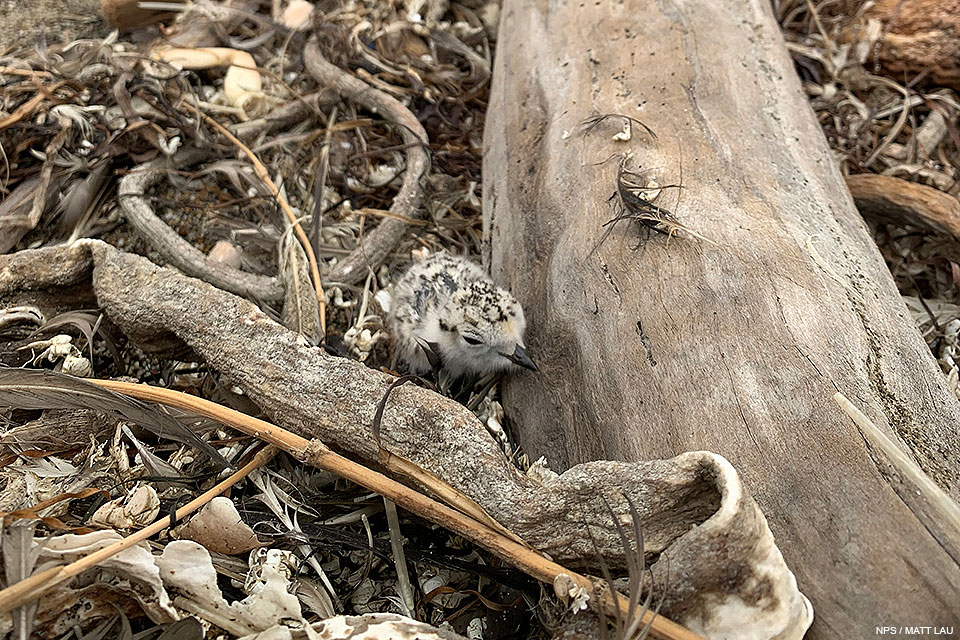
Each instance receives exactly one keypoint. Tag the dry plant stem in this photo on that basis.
(896, 200)
(293, 443)
(174, 248)
(261, 172)
(294, 111)
(936, 497)
(318, 200)
(399, 557)
(382, 240)
(315, 453)
(22, 111)
(36, 585)
(29, 73)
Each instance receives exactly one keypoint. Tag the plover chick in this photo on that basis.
(447, 314)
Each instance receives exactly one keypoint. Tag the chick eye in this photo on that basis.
(471, 340)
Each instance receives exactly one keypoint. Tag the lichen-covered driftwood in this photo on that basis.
(650, 345)
(718, 567)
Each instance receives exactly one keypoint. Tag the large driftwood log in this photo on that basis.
(649, 346)
(719, 570)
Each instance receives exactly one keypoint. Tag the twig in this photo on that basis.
(29, 73)
(382, 240)
(936, 497)
(315, 453)
(36, 585)
(319, 185)
(22, 111)
(399, 557)
(889, 198)
(261, 172)
(177, 251)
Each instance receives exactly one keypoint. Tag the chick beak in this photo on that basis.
(520, 357)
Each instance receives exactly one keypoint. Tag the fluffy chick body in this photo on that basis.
(446, 313)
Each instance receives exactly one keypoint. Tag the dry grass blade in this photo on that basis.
(41, 389)
(638, 620)
(88, 322)
(594, 121)
(635, 206)
(631, 203)
(399, 558)
(157, 467)
(19, 557)
(35, 586)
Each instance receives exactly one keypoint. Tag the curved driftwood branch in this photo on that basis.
(650, 345)
(169, 244)
(382, 240)
(716, 551)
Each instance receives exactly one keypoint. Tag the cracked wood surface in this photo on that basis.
(650, 347)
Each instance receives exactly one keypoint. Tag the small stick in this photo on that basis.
(36, 585)
(261, 172)
(29, 73)
(399, 557)
(321, 179)
(936, 497)
(378, 244)
(315, 453)
(22, 111)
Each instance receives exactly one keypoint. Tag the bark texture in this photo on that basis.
(895, 200)
(918, 36)
(651, 346)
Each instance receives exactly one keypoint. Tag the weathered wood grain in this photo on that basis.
(649, 346)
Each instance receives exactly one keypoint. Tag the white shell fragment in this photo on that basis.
(626, 133)
(186, 567)
(225, 253)
(219, 528)
(242, 86)
(131, 573)
(138, 508)
(297, 14)
(570, 593)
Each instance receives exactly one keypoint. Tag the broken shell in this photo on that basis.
(297, 15)
(139, 507)
(75, 365)
(226, 254)
(242, 86)
(219, 528)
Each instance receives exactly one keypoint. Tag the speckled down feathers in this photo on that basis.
(449, 305)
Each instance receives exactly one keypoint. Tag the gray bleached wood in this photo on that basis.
(669, 346)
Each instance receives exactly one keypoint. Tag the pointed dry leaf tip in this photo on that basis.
(42, 389)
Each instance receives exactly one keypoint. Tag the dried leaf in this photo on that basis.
(156, 466)
(41, 389)
(19, 558)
